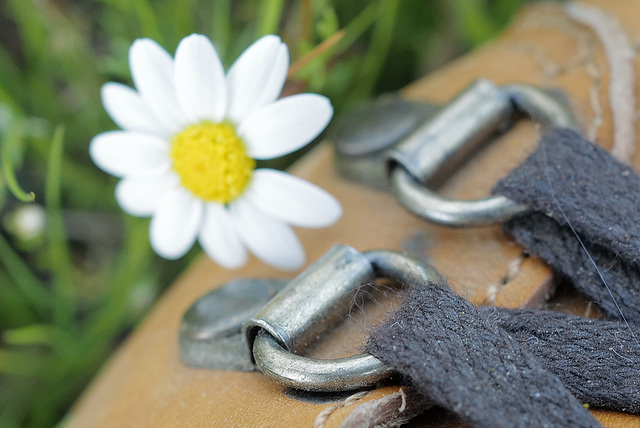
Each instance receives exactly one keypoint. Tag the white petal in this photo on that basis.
(292, 200)
(152, 73)
(257, 77)
(199, 80)
(176, 223)
(275, 82)
(285, 125)
(269, 239)
(140, 196)
(219, 238)
(123, 153)
(128, 110)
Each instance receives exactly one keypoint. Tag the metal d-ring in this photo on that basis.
(274, 338)
(432, 150)
(312, 374)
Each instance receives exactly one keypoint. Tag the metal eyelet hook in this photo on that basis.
(291, 321)
(433, 150)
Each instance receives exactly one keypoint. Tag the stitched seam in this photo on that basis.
(324, 415)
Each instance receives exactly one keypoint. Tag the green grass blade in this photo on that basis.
(269, 15)
(29, 285)
(380, 44)
(347, 37)
(10, 140)
(14, 404)
(21, 363)
(11, 82)
(34, 334)
(136, 256)
(358, 26)
(221, 31)
(148, 20)
(477, 26)
(28, 17)
(181, 18)
(15, 309)
(64, 296)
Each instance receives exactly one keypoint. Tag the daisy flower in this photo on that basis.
(189, 139)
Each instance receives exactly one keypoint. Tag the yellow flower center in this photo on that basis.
(212, 161)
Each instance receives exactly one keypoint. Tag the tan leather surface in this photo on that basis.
(146, 385)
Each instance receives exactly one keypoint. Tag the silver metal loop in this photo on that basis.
(314, 301)
(542, 106)
(436, 147)
(342, 374)
(311, 374)
(427, 204)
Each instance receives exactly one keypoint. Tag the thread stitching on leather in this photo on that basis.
(324, 415)
(620, 55)
(390, 411)
(584, 57)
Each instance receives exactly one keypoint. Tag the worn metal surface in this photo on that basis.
(402, 146)
(210, 332)
(362, 137)
(314, 301)
(434, 149)
(550, 108)
(438, 146)
(340, 374)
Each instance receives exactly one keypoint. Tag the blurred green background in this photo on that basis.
(76, 274)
